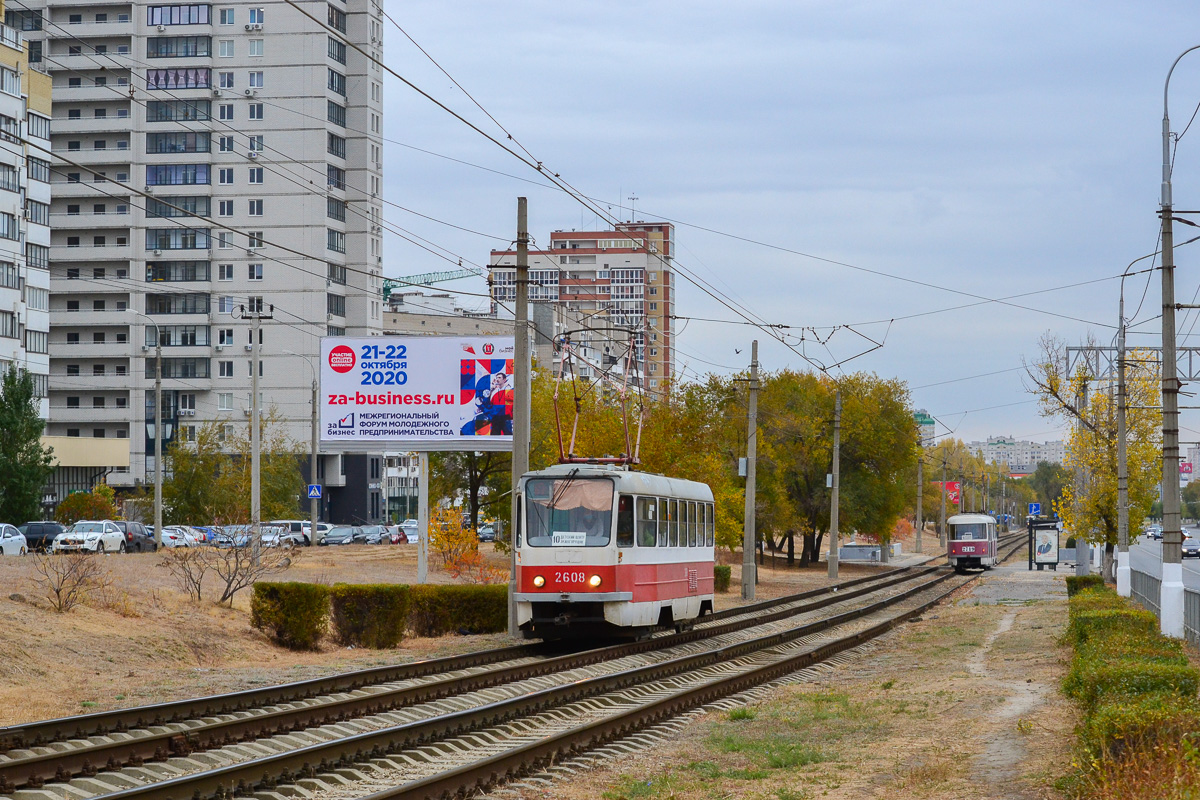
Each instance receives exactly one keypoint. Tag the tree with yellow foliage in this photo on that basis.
(1089, 506)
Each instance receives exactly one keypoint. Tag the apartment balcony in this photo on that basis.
(65, 127)
(87, 59)
(92, 28)
(60, 221)
(60, 382)
(92, 94)
(89, 157)
(110, 414)
(102, 190)
(89, 350)
(73, 287)
(90, 252)
(91, 317)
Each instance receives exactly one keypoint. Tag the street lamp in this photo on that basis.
(154, 429)
(313, 503)
(1171, 593)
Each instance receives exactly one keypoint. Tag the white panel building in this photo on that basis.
(1021, 456)
(210, 159)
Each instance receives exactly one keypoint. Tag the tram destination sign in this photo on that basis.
(417, 393)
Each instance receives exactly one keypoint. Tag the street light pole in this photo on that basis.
(1171, 595)
(313, 503)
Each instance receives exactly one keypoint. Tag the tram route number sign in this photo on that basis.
(568, 539)
(420, 392)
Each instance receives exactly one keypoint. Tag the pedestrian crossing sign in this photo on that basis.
(314, 491)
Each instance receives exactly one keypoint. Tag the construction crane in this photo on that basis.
(429, 279)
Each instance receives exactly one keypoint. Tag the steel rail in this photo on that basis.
(35, 769)
(34, 734)
(268, 772)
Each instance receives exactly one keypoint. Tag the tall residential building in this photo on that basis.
(210, 161)
(624, 276)
(24, 213)
(1020, 455)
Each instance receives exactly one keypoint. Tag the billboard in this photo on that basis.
(1045, 545)
(951, 488)
(417, 393)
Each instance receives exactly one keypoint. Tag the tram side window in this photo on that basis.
(664, 515)
(647, 521)
(625, 521)
(685, 520)
(693, 523)
(709, 525)
(673, 524)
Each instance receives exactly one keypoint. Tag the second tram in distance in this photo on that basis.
(971, 542)
(604, 550)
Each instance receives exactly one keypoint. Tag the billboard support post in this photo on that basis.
(422, 517)
(521, 401)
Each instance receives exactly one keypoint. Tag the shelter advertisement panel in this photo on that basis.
(418, 393)
(1045, 545)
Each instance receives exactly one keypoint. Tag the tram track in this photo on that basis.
(295, 741)
(222, 721)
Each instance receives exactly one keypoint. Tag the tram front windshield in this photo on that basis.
(568, 512)
(969, 530)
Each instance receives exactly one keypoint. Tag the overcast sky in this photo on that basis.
(992, 149)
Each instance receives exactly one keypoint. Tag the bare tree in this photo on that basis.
(188, 566)
(70, 579)
(237, 568)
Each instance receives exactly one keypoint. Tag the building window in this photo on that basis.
(337, 273)
(335, 240)
(177, 110)
(10, 82)
(225, 48)
(337, 50)
(256, 111)
(254, 240)
(336, 113)
(257, 16)
(256, 175)
(337, 19)
(336, 177)
(37, 256)
(335, 209)
(225, 80)
(226, 111)
(178, 15)
(38, 127)
(256, 79)
(336, 146)
(223, 240)
(255, 208)
(225, 144)
(179, 78)
(225, 176)
(224, 369)
(255, 272)
(225, 399)
(179, 142)
(36, 212)
(226, 16)
(177, 174)
(225, 208)
(256, 47)
(335, 304)
(337, 83)
(224, 272)
(178, 46)
(8, 227)
(177, 239)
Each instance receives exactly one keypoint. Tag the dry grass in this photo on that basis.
(1165, 773)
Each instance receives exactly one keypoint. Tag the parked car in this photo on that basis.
(409, 526)
(487, 533)
(137, 538)
(341, 534)
(371, 534)
(39, 535)
(232, 536)
(90, 537)
(281, 537)
(178, 536)
(298, 526)
(12, 541)
(396, 535)
(204, 534)
(1191, 547)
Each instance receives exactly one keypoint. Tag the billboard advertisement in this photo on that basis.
(1045, 545)
(418, 393)
(951, 491)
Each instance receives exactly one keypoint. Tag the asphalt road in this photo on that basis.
(1146, 556)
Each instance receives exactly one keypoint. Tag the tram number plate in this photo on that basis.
(969, 549)
(565, 577)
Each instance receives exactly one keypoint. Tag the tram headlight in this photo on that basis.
(594, 581)
(539, 581)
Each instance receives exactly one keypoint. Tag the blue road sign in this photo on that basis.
(1035, 509)
(314, 491)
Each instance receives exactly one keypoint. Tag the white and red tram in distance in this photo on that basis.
(971, 542)
(604, 551)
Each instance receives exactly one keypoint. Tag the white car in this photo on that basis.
(12, 541)
(90, 537)
(409, 526)
(281, 537)
(178, 536)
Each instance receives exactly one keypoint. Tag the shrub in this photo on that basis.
(1100, 622)
(1070, 545)
(371, 615)
(1077, 583)
(1132, 677)
(295, 615)
(721, 573)
(1130, 724)
(70, 579)
(436, 610)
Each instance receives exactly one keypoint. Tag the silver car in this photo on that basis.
(90, 537)
(12, 541)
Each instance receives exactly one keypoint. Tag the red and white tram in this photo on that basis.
(972, 541)
(603, 550)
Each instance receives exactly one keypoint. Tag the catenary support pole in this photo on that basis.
(920, 493)
(834, 480)
(521, 402)
(423, 517)
(1123, 577)
(942, 517)
(158, 437)
(314, 503)
(1083, 551)
(749, 572)
(255, 434)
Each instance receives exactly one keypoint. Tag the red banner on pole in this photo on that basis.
(952, 491)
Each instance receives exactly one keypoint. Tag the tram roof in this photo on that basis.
(631, 481)
(971, 518)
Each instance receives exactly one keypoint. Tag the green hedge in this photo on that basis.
(1135, 685)
(295, 615)
(369, 615)
(1077, 583)
(721, 573)
(436, 610)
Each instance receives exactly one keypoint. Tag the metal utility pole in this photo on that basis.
(314, 503)
(942, 520)
(1083, 565)
(158, 436)
(423, 517)
(749, 572)
(256, 317)
(521, 402)
(1123, 578)
(920, 498)
(834, 482)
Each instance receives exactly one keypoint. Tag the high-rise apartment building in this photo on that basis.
(24, 213)
(211, 161)
(1021, 456)
(624, 277)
